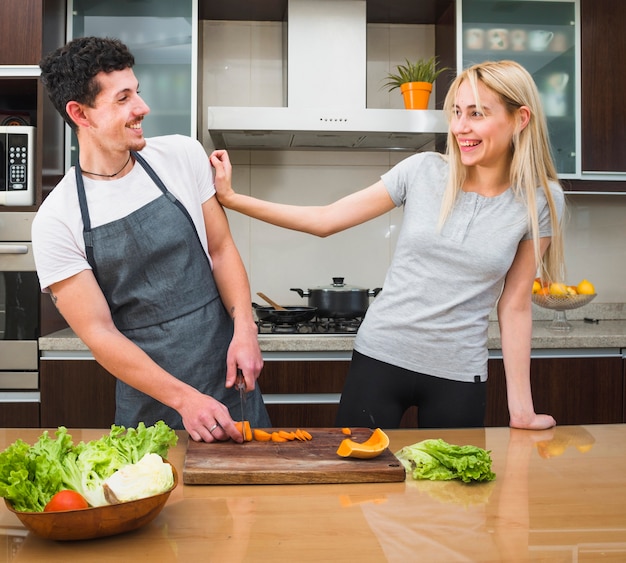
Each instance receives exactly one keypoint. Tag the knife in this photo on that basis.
(240, 382)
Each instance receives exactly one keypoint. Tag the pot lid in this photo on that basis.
(339, 285)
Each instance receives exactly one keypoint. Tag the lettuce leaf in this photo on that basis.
(31, 475)
(437, 460)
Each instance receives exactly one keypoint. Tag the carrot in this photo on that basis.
(261, 435)
(307, 435)
(346, 431)
(276, 437)
(244, 430)
(287, 435)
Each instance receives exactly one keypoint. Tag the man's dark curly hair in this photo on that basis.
(68, 72)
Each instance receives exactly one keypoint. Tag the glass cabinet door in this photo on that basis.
(541, 36)
(162, 36)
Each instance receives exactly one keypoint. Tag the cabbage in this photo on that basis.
(149, 476)
(439, 461)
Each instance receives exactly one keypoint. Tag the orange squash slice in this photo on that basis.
(375, 445)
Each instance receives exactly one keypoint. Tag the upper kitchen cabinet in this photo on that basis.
(162, 35)
(572, 49)
(21, 25)
(603, 46)
(542, 38)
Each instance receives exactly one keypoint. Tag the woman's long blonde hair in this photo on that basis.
(531, 165)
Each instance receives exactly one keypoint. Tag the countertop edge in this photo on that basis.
(604, 334)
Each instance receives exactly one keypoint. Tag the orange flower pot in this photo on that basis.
(416, 94)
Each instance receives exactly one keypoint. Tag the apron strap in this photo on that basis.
(155, 178)
(84, 211)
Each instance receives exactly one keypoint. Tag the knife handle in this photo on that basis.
(240, 381)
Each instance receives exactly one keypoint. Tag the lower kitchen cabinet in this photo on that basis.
(76, 394)
(575, 390)
(305, 394)
(19, 415)
(290, 387)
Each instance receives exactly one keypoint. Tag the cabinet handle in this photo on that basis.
(13, 249)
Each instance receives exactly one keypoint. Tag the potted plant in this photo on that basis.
(415, 81)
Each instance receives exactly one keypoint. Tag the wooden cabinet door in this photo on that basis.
(21, 31)
(573, 390)
(19, 415)
(283, 378)
(76, 394)
(603, 83)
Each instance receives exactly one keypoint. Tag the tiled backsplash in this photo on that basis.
(235, 56)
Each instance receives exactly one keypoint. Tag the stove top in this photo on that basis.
(315, 326)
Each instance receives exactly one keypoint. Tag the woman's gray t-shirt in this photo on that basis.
(432, 316)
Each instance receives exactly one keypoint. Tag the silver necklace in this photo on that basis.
(109, 175)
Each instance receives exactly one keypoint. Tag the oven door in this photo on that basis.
(19, 311)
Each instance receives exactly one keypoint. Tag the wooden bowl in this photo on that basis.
(96, 522)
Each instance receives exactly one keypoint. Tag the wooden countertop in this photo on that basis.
(567, 505)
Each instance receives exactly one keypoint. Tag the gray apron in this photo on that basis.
(159, 285)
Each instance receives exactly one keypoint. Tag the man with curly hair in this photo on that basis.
(138, 257)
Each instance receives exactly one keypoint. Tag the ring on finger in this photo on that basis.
(213, 427)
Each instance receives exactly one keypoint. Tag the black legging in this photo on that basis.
(377, 394)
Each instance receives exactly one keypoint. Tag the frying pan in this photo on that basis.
(290, 315)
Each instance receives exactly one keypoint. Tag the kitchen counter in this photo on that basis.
(609, 332)
(559, 495)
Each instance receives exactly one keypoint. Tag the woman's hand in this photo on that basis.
(535, 422)
(223, 176)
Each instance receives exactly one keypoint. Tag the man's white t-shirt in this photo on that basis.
(57, 232)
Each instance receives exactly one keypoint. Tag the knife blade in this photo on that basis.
(240, 383)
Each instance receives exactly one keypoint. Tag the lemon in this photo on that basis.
(536, 287)
(558, 289)
(585, 287)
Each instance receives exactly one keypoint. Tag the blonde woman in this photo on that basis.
(484, 219)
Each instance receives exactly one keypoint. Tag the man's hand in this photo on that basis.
(208, 420)
(244, 353)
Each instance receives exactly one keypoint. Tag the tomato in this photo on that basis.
(66, 500)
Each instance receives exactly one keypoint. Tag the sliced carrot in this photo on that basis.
(276, 437)
(244, 430)
(307, 435)
(287, 435)
(299, 435)
(346, 431)
(261, 435)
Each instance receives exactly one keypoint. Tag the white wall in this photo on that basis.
(242, 65)
(595, 244)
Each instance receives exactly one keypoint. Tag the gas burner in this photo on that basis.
(337, 326)
(314, 326)
(283, 328)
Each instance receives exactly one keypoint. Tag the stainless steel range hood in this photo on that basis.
(326, 91)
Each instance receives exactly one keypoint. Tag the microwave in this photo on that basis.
(17, 165)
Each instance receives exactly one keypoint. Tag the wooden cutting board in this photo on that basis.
(294, 462)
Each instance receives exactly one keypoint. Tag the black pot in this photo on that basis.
(339, 300)
(291, 315)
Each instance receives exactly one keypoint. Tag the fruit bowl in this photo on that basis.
(559, 304)
(95, 522)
